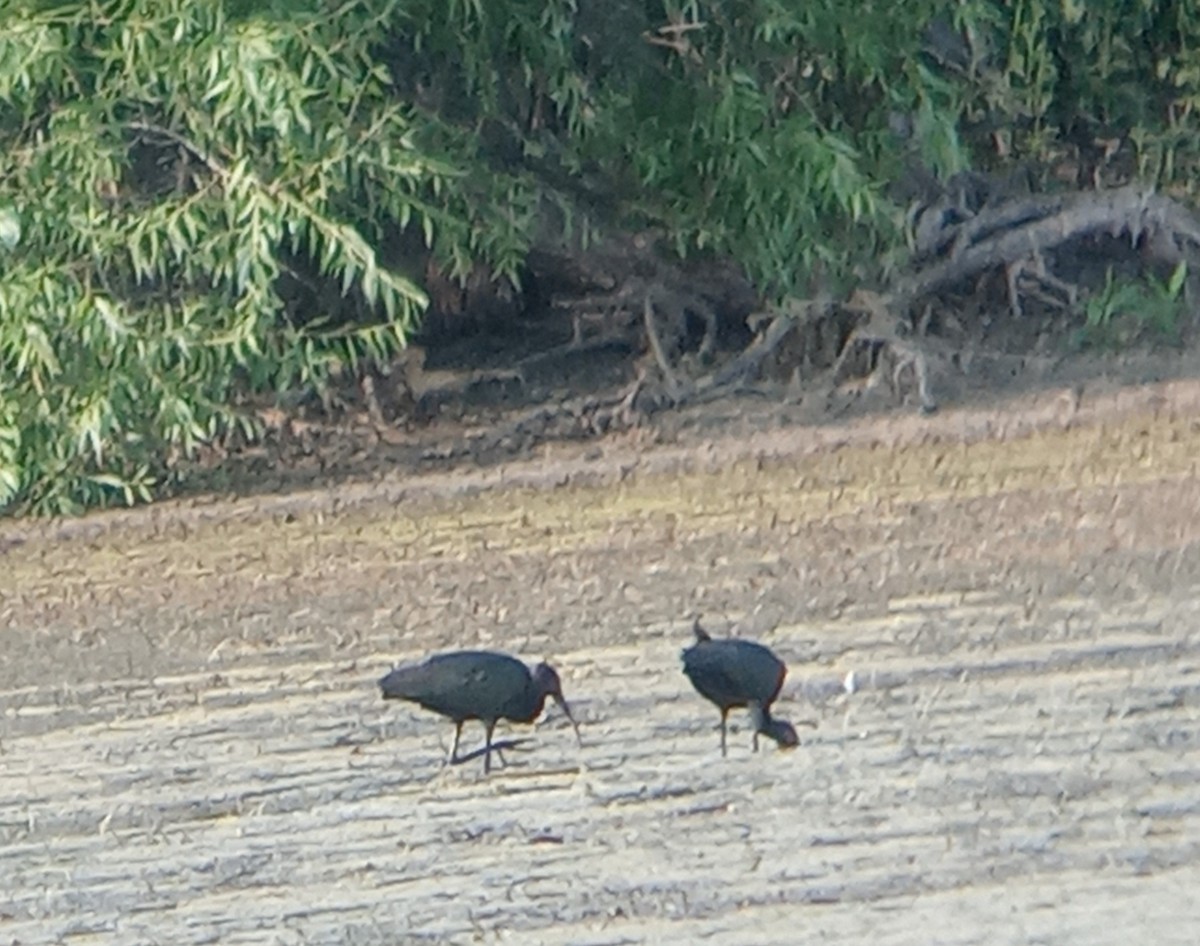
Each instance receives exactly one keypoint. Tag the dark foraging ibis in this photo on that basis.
(735, 673)
(475, 684)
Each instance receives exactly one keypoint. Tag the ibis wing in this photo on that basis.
(460, 685)
(715, 676)
(734, 672)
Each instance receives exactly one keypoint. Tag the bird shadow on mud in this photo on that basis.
(503, 745)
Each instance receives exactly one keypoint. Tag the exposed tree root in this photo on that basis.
(1015, 237)
(1016, 231)
(882, 331)
(878, 338)
(794, 316)
(656, 347)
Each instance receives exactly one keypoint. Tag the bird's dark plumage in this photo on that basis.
(735, 673)
(476, 684)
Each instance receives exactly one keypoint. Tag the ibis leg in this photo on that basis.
(759, 719)
(724, 714)
(454, 749)
(487, 755)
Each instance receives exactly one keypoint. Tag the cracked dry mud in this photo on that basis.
(192, 749)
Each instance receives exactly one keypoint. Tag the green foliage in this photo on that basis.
(165, 168)
(744, 141)
(1126, 311)
(203, 198)
(1048, 77)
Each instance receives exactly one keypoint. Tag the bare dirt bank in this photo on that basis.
(192, 749)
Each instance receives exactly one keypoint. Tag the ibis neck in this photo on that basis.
(532, 704)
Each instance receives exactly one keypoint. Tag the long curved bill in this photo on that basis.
(567, 710)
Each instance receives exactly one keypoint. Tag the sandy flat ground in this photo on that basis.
(192, 749)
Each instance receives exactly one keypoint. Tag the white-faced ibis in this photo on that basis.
(734, 673)
(475, 684)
